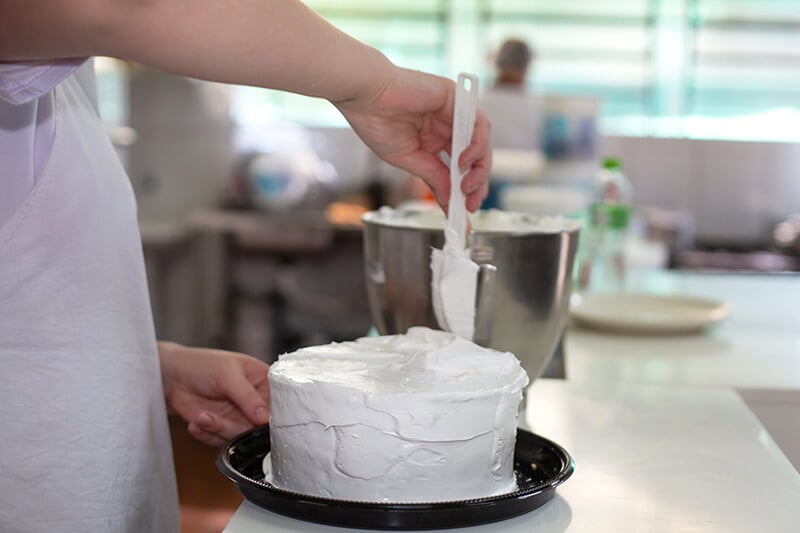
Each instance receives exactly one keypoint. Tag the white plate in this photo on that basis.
(647, 313)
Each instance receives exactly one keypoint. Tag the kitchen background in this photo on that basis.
(247, 196)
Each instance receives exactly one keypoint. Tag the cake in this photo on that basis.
(421, 417)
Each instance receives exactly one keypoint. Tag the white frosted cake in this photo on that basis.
(421, 417)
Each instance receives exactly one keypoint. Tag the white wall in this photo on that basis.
(736, 191)
(183, 156)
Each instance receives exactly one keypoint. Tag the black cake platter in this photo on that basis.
(540, 465)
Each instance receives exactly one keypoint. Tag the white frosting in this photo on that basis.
(421, 417)
(454, 283)
(486, 221)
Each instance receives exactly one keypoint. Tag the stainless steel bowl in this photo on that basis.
(524, 285)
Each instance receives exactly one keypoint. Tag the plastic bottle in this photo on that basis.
(602, 265)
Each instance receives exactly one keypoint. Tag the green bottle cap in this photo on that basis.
(612, 163)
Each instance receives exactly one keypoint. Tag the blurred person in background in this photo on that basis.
(85, 387)
(508, 103)
(515, 115)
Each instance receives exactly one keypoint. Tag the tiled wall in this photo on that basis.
(736, 191)
(183, 154)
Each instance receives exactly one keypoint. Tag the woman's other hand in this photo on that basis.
(219, 393)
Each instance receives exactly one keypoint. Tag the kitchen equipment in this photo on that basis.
(454, 279)
(787, 234)
(285, 180)
(524, 282)
(540, 466)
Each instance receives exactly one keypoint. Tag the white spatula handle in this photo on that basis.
(466, 103)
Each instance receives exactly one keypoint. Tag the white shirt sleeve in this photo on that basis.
(23, 81)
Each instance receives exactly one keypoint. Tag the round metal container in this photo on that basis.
(524, 283)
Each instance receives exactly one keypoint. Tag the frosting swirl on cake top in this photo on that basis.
(423, 361)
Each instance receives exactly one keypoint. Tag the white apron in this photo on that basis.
(84, 440)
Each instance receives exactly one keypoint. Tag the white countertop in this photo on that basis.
(648, 458)
(757, 346)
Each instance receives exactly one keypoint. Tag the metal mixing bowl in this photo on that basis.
(524, 284)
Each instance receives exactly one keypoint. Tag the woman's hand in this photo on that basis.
(220, 394)
(408, 121)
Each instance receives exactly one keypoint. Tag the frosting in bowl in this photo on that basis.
(484, 221)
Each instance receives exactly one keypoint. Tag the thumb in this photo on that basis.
(239, 389)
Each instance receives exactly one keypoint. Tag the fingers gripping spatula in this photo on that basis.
(454, 276)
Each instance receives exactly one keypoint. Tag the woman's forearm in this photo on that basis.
(281, 44)
(405, 116)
